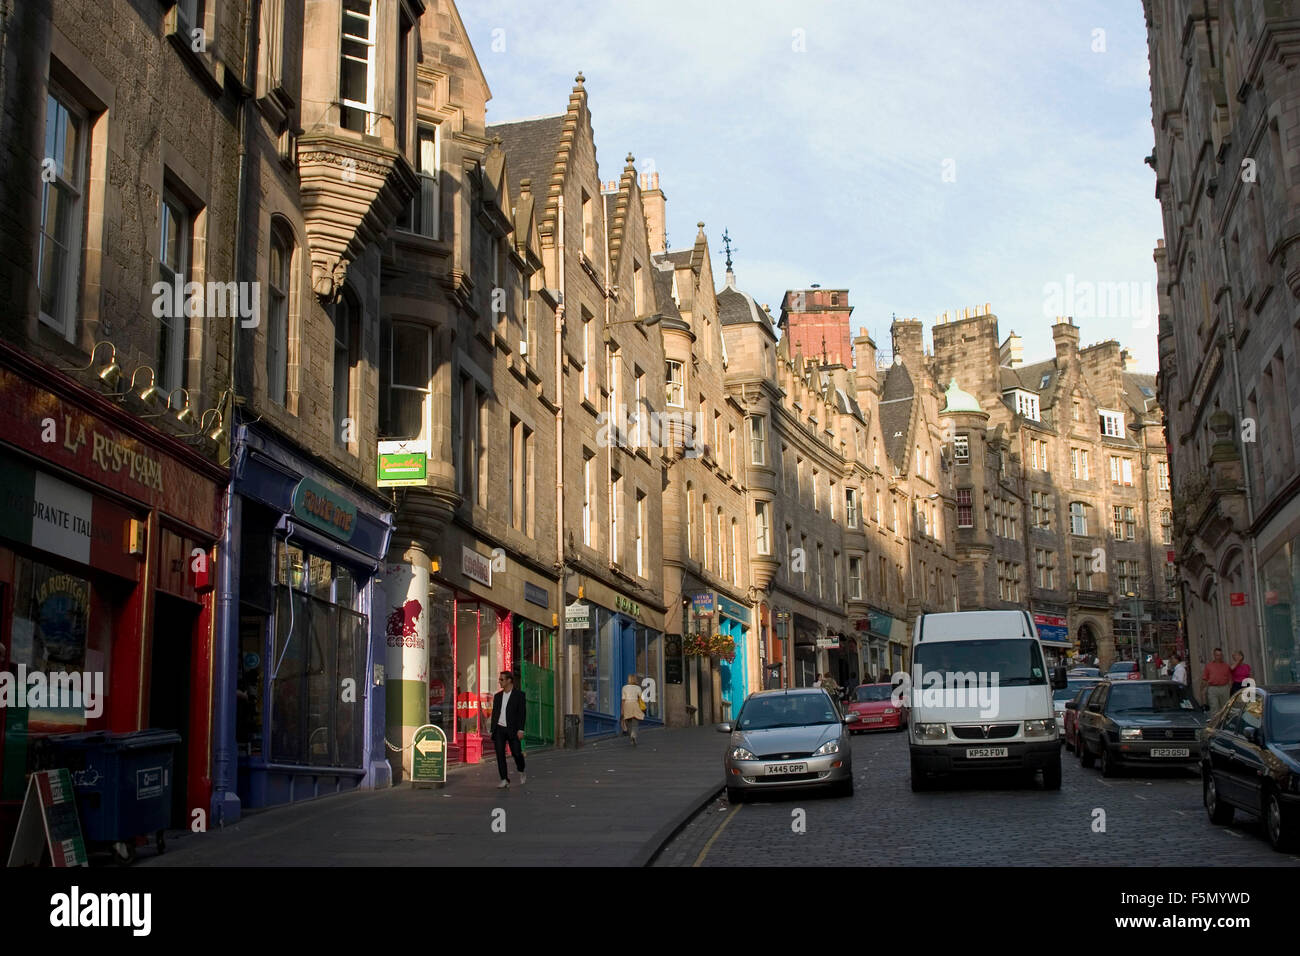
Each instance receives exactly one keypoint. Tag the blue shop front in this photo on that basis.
(304, 709)
(623, 636)
(733, 622)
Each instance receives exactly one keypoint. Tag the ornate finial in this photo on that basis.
(579, 79)
(630, 159)
(496, 140)
(825, 360)
(701, 225)
(726, 244)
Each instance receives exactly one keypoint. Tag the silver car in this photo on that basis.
(787, 739)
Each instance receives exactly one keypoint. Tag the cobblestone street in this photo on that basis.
(1151, 819)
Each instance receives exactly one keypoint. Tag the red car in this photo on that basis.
(1124, 670)
(1070, 718)
(876, 709)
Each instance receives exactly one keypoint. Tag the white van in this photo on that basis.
(981, 697)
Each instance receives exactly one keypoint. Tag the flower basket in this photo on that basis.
(709, 645)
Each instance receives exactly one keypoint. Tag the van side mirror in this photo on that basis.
(1059, 679)
(1251, 734)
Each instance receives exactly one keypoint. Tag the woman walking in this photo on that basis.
(633, 706)
(1240, 670)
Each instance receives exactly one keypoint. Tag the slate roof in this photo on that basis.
(1134, 382)
(663, 289)
(530, 147)
(739, 308)
(1030, 378)
(896, 412)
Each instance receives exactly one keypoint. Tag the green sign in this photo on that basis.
(429, 755)
(402, 468)
(627, 606)
(324, 510)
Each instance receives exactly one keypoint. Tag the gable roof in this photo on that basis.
(896, 401)
(531, 146)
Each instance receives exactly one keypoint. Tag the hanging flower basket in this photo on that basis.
(709, 645)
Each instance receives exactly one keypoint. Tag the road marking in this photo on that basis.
(699, 860)
(1139, 796)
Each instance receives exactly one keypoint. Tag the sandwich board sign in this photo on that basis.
(49, 820)
(429, 755)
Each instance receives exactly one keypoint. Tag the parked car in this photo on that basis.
(876, 710)
(1064, 695)
(1070, 718)
(787, 739)
(1144, 722)
(956, 733)
(1084, 672)
(1124, 670)
(1250, 760)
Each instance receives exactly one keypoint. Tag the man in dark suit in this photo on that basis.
(508, 712)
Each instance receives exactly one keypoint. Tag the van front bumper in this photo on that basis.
(956, 757)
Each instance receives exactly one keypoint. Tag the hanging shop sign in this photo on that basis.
(703, 604)
(577, 616)
(475, 566)
(319, 507)
(403, 463)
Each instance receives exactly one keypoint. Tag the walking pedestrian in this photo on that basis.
(1240, 670)
(508, 715)
(633, 706)
(1180, 671)
(1217, 681)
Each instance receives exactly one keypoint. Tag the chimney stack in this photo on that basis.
(654, 202)
(1011, 354)
(1066, 336)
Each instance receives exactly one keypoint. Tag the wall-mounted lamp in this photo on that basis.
(110, 373)
(216, 434)
(149, 394)
(186, 413)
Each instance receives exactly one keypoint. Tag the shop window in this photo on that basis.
(319, 642)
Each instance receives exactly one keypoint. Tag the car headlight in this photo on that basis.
(1130, 733)
(830, 747)
(1040, 728)
(932, 731)
(740, 753)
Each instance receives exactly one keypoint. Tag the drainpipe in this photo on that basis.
(225, 805)
(1245, 461)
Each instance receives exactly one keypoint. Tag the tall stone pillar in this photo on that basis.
(406, 669)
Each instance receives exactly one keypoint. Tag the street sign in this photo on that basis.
(429, 755)
(830, 643)
(1237, 598)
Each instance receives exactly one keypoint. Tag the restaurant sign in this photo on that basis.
(322, 509)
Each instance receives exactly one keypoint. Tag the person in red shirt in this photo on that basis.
(1217, 681)
(1240, 670)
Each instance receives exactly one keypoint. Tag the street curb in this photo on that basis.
(651, 850)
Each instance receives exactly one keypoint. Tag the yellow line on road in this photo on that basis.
(699, 860)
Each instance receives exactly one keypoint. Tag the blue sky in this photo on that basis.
(928, 156)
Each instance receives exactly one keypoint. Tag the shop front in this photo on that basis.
(487, 617)
(874, 638)
(733, 622)
(1053, 626)
(107, 535)
(806, 635)
(622, 637)
(1280, 578)
(307, 548)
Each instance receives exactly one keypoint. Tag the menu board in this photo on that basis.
(49, 821)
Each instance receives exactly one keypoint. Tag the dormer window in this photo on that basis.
(1111, 423)
(1025, 403)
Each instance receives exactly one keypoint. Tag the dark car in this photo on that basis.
(1070, 720)
(1146, 722)
(1063, 695)
(1250, 760)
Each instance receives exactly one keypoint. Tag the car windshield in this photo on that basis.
(1284, 719)
(1149, 698)
(1074, 686)
(873, 692)
(1122, 667)
(1015, 662)
(787, 710)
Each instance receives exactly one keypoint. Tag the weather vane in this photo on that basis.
(726, 243)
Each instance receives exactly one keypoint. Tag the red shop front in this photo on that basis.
(107, 534)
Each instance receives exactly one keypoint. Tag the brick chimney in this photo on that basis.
(1066, 336)
(654, 202)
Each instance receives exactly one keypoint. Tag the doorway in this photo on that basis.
(170, 689)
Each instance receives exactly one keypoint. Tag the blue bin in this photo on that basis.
(123, 781)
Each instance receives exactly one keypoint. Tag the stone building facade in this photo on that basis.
(1061, 487)
(1224, 99)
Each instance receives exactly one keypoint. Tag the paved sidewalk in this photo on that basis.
(605, 804)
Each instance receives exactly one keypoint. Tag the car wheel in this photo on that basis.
(844, 788)
(920, 782)
(1086, 756)
(1052, 775)
(1109, 765)
(1069, 745)
(1220, 812)
(735, 795)
(1278, 824)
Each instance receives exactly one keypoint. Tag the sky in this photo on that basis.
(927, 155)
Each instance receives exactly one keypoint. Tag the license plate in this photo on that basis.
(776, 769)
(873, 720)
(974, 753)
(1170, 752)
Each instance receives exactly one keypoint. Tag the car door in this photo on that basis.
(1090, 720)
(1222, 746)
(1249, 766)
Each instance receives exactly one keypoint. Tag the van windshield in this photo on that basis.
(1016, 662)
